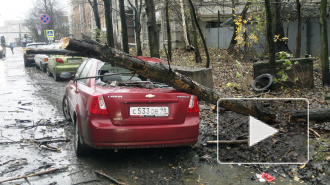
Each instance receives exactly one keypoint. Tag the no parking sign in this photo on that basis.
(44, 19)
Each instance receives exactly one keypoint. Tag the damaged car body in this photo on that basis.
(113, 108)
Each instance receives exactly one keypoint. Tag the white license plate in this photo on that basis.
(148, 111)
(73, 60)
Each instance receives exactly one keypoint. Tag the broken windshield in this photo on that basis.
(110, 75)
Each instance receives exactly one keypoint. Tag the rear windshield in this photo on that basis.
(36, 46)
(111, 75)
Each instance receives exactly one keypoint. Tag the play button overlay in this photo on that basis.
(259, 131)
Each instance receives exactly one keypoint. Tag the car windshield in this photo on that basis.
(111, 75)
(36, 45)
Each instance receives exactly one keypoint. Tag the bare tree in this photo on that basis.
(298, 38)
(324, 43)
(95, 8)
(152, 29)
(168, 29)
(184, 27)
(281, 44)
(198, 57)
(270, 37)
(137, 20)
(124, 35)
(201, 34)
(108, 21)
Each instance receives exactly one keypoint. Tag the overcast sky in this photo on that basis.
(15, 9)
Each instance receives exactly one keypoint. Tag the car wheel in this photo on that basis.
(25, 62)
(37, 67)
(56, 77)
(0, 55)
(44, 68)
(80, 148)
(65, 108)
(48, 72)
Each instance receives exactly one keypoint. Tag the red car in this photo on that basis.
(112, 108)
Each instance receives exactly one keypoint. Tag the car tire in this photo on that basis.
(44, 68)
(264, 87)
(80, 148)
(65, 109)
(25, 62)
(37, 67)
(48, 72)
(56, 77)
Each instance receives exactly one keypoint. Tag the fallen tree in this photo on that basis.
(158, 72)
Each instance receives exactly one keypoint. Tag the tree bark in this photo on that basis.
(270, 38)
(168, 29)
(198, 57)
(162, 73)
(184, 27)
(201, 34)
(233, 41)
(298, 38)
(280, 45)
(53, 52)
(124, 35)
(95, 8)
(152, 29)
(108, 21)
(318, 115)
(324, 43)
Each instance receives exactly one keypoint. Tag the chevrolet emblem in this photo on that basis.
(150, 96)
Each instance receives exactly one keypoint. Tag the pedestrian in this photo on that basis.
(12, 45)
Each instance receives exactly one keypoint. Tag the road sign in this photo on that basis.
(38, 27)
(50, 33)
(44, 19)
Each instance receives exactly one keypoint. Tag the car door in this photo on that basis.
(73, 89)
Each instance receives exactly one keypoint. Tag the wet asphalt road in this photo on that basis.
(29, 99)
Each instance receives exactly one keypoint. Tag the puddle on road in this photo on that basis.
(20, 111)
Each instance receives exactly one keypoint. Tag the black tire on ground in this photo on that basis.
(48, 72)
(80, 148)
(1, 55)
(263, 82)
(37, 67)
(65, 109)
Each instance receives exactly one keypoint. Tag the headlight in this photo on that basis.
(0, 48)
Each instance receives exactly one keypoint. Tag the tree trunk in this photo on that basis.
(152, 29)
(270, 38)
(184, 27)
(168, 29)
(124, 35)
(95, 8)
(198, 57)
(201, 34)
(324, 43)
(298, 38)
(280, 44)
(108, 21)
(138, 28)
(233, 41)
(318, 115)
(163, 74)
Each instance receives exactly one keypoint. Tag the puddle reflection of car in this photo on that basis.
(112, 108)
(29, 58)
(62, 67)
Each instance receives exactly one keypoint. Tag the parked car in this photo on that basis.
(2, 46)
(41, 60)
(112, 108)
(59, 65)
(29, 58)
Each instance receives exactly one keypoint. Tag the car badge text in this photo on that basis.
(150, 96)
